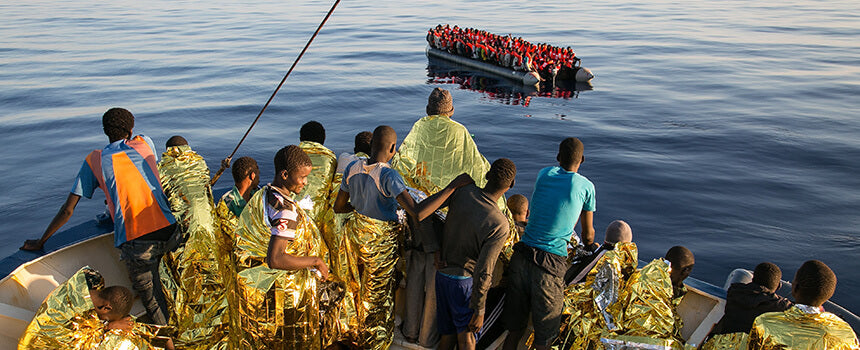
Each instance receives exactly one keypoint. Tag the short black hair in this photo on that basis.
(118, 123)
(570, 151)
(176, 140)
(767, 275)
(362, 142)
(120, 299)
(518, 204)
(679, 256)
(502, 173)
(383, 137)
(244, 167)
(312, 131)
(814, 283)
(291, 158)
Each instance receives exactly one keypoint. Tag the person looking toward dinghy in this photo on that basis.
(519, 207)
(805, 325)
(746, 301)
(361, 149)
(127, 173)
(561, 199)
(370, 192)
(475, 232)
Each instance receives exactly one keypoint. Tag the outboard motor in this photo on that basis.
(583, 74)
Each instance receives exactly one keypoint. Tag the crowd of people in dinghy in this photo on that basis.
(311, 260)
(504, 50)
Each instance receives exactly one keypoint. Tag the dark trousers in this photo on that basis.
(142, 259)
(533, 289)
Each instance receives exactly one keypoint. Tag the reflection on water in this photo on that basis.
(499, 89)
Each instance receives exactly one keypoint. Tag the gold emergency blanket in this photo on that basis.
(591, 307)
(190, 274)
(67, 320)
(277, 309)
(801, 327)
(343, 265)
(319, 182)
(374, 244)
(628, 342)
(91, 334)
(224, 234)
(730, 341)
(647, 300)
(323, 185)
(437, 150)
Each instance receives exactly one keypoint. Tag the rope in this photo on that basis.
(226, 162)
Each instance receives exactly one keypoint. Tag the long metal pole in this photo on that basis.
(221, 170)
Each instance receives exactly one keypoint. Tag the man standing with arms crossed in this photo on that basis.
(561, 197)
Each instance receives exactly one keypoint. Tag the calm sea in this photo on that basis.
(730, 127)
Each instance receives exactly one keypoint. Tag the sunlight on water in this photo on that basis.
(730, 127)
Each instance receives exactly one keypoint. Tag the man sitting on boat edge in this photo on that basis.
(126, 172)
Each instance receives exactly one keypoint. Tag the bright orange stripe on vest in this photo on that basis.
(142, 147)
(140, 210)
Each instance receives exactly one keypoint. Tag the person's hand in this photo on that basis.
(124, 323)
(461, 180)
(476, 323)
(322, 268)
(225, 163)
(33, 244)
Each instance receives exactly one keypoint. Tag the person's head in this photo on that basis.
(292, 167)
(813, 283)
(362, 142)
(383, 143)
(618, 231)
(682, 261)
(113, 303)
(501, 175)
(245, 169)
(767, 275)
(176, 140)
(117, 124)
(440, 103)
(519, 206)
(571, 153)
(312, 131)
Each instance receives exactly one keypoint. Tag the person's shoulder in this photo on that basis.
(390, 174)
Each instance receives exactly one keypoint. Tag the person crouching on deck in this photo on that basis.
(370, 191)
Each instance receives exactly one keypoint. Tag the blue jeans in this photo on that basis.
(142, 259)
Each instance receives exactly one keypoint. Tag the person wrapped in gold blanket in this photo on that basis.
(649, 302)
(190, 275)
(591, 306)
(280, 260)
(805, 326)
(246, 177)
(70, 319)
(370, 192)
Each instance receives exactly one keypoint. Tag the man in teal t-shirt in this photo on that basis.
(561, 197)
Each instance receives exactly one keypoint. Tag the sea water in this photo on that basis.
(730, 127)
